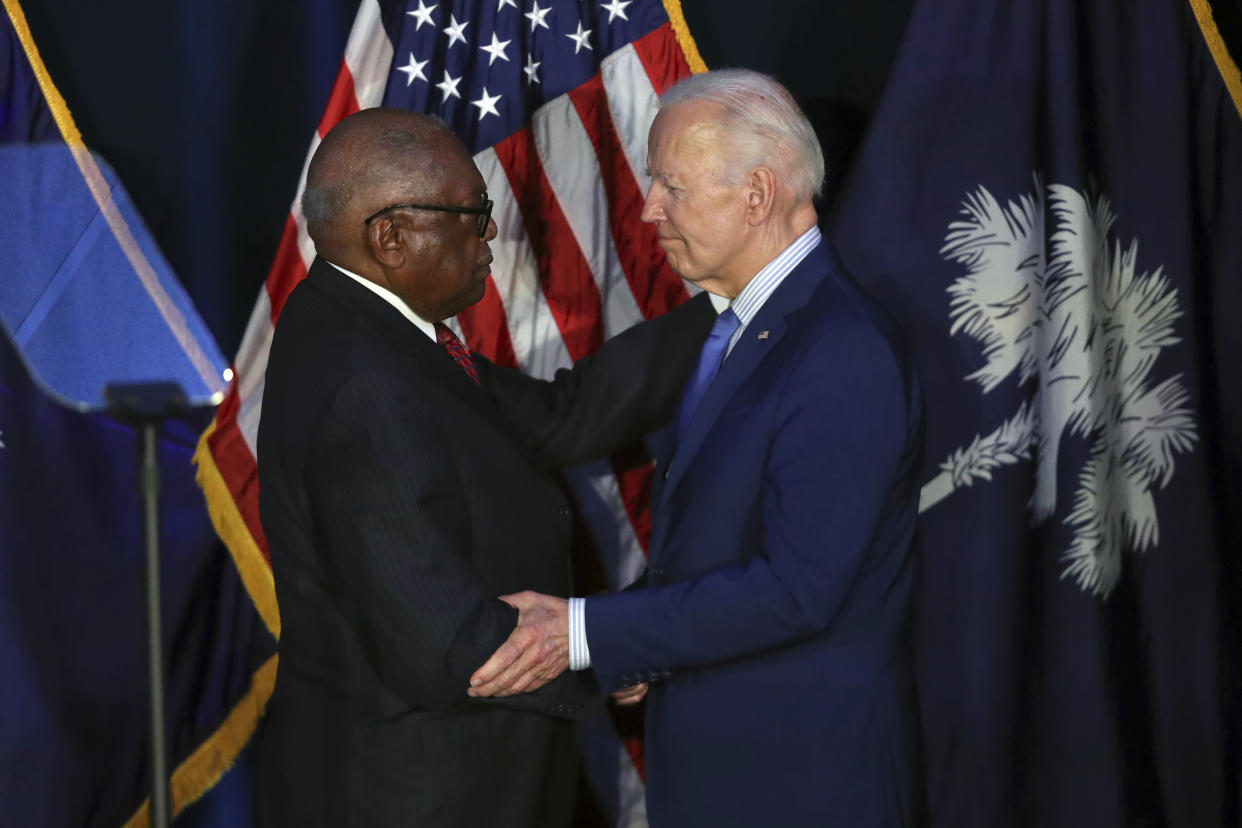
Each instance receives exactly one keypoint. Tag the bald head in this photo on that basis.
(369, 160)
(394, 197)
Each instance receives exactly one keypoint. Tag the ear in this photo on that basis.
(760, 195)
(386, 242)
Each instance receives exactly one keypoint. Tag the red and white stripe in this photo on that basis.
(573, 265)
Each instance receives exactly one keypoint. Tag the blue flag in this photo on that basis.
(1050, 199)
(84, 292)
(74, 716)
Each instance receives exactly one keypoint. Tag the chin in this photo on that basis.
(476, 295)
(693, 277)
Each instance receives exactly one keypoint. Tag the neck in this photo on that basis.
(773, 238)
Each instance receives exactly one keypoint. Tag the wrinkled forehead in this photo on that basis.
(687, 136)
(445, 170)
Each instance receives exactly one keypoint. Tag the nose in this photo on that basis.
(492, 230)
(653, 207)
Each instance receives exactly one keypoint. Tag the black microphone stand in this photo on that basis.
(146, 406)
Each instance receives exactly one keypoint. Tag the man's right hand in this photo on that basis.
(536, 652)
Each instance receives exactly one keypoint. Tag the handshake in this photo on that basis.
(536, 652)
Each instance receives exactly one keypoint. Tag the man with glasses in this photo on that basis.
(397, 504)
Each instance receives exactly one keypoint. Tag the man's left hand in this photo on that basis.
(630, 695)
(536, 652)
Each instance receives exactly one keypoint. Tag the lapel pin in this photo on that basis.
(764, 334)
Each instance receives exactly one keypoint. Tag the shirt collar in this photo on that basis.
(748, 302)
(392, 299)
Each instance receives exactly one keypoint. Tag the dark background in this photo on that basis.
(206, 112)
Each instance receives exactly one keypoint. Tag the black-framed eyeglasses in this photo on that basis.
(484, 213)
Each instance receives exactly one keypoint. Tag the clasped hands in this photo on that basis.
(536, 652)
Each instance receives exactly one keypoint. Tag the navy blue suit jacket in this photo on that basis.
(771, 619)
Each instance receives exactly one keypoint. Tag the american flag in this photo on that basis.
(554, 100)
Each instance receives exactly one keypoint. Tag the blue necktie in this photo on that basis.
(709, 363)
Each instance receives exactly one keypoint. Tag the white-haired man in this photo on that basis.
(770, 621)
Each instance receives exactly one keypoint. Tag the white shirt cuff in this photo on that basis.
(579, 654)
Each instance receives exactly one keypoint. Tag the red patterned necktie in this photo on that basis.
(455, 348)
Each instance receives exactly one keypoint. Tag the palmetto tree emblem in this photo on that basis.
(1069, 310)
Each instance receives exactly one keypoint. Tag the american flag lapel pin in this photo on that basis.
(764, 334)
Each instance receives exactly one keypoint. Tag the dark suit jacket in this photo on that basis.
(771, 622)
(396, 506)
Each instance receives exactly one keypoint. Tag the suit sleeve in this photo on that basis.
(630, 387)
(839, 436)
(382, 481)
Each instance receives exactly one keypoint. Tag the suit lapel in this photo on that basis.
(766, 329)
(388, 323)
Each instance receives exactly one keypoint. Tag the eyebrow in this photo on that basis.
(659, 176)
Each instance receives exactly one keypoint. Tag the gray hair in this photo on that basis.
(322, 201)
(764, 123)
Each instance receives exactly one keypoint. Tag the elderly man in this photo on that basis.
(770, 621)
(397, 504)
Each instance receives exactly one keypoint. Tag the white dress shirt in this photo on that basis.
(393, 299)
